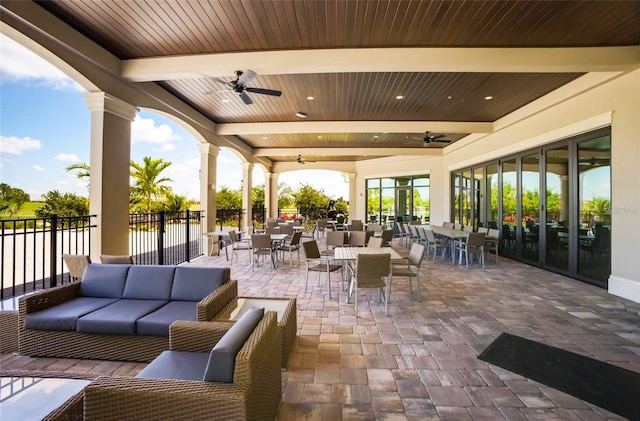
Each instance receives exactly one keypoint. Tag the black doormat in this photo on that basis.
(608, 386)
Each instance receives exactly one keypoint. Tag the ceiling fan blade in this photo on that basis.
(440, 140)
(263, 91)
(246, 76)
(440, 136)
(215, 79)
(245, 98)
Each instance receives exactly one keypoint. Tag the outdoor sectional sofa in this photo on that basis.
(120, 312)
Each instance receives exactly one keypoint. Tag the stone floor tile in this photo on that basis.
(448, 396)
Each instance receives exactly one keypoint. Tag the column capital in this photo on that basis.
(208, 148)
(101, 101)
(247, 165)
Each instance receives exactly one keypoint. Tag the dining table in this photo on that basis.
(222, 236)
(452, 234)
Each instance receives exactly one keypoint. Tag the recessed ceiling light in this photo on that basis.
(319, 137)
(399, 96)
(300, 114)
(375, 137)
(449, 97)
(310, 98)
(225, 100)
(488, 97)
(264, 138)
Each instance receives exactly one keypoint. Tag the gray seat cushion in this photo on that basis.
(105, 281)
(118, 318)
(193, 283)
(176, 365)
(222, 358)
(150, 282)
(157, 323)
(64, 316)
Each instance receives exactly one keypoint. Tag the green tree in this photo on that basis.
(11, 199)
(600, 207)
(257, 196)
(342, 206)
(67, 204)
(175, 203)
(311, 202)
(286, 197)
(228, 199)
(148, 184)
(84, 172)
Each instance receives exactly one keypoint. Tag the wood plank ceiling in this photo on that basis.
(155, 28)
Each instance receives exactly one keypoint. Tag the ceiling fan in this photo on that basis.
(594, 162)
(240, 87)
(301, 160)
(429, 138)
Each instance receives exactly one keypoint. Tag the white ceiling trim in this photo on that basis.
(490, 60)
(348, 151)
(353, 127)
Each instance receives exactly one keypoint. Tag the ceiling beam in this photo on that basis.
(354, 127)
(342, 166)
(490, 60)
(347, 151)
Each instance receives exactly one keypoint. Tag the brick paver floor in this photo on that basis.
(419, 363)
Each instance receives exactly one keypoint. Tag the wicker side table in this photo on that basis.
(9, 325)
(287, 319)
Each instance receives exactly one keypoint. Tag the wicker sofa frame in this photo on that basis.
(254, 394)
(71, 344)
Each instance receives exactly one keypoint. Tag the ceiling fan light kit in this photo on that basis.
(240, 87)
(300, 114)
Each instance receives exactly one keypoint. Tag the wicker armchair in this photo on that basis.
(76, 264)
(254, 394)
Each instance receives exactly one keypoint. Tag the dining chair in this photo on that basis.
(292, 245)
(434, 243)
(402, 235)
(473, 245)
(448, 225)
(468, 228)
(239, 245)
(334, 239)
(321, 227)
(371, 271)
(287, 229)
(76, 264)
(387, 237)
(309, 234)
(357, 239)
(483, 229)
(110, 259)
(261, 245)
(492, 241)
(375, 227)
(315, 262)
(410, 267)
(457, 226)
(374, 242)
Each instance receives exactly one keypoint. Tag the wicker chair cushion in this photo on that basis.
(149, 282)
(118, 318)
(195, 283)
(157, 323)
(65, 316)
(176, 365)
(222, 359)
(105, 281)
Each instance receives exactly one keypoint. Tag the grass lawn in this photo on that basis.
(28, 210)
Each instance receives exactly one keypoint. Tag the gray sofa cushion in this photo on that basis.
(176, 365)
(222, 358)
(193, 283)
(64, 316)
(149, 282)
(157, 323)
(118, 318)
(105, 281)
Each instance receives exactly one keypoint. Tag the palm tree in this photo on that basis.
(83, 173)
(147, 181)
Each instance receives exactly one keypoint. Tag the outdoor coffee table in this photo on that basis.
(35, 398)
(284, 307)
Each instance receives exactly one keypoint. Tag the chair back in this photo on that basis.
(311, 250)
(475, 239)
(422, 234)
(374, 242)
(322, 224)
(295, 238)
(76, 264)
(261, 241)
(374, 227)
(271, 224)
(449, 225)
(415, 254)
(355, 226)
(430, 236)
(387, 237)
(273, 230)
(493, 233)
(286, 229)
(116, 259)
(357, 238)
(335, 238)
(483, 229)
(371, 268)
(468, 228)
(457, 226)
(233, 236)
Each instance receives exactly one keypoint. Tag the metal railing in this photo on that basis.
(31, 249)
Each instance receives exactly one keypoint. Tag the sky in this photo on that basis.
(45, 126)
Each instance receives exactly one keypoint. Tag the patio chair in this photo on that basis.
(411, 267)
(110, 259)
(334, 239)
(387, 237)
(357, 238)
(261, 245)
(321, 226)
(371, 271)
(449, 225)
(76, 264)
(492, 241)
(238, 245)
(434, 243)
(316, 263)
(374, 242)
(292, 245)
(468, 228)
(473, 245)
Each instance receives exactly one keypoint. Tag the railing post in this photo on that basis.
(53, 257)
(188, 238)
(161, 239)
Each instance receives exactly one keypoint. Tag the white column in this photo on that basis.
(110, 158)
(353, 196)
(271, 194)
(247, 202)
(208, 177)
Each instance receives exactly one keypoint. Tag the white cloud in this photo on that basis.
(38, 168)
(68, 157)
(19, 64)
(144, 130)
(17, 145)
